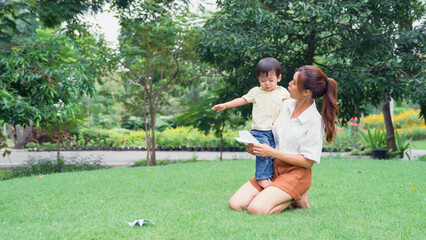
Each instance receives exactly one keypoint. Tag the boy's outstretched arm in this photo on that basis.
(234, 103)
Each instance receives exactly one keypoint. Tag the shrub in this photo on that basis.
(142, 162)
(408, 119)
(346, 137)
(36, 166)
(373, 121)
(92, 137)
(415, 132)
(137, 138)
(405, 119)
(171, 137)
(402, 144)
(229, 139)
(374, 140)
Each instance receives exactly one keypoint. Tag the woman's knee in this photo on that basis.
(257, 209)
(236, 205)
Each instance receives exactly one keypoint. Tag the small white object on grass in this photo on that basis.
(139, 222)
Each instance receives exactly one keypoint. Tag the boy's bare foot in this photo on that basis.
(302, 203)
(264, 182)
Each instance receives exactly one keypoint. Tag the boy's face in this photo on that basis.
(269, 82)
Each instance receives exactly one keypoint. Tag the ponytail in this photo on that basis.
(314, 79)
(330, 109)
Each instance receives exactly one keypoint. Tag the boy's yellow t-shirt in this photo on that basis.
(266, 106)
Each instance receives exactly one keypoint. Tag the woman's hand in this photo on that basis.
(262, 150)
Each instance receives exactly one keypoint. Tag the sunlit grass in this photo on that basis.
(350, 199)
(419, 145)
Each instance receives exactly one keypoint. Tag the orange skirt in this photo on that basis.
(289, 178)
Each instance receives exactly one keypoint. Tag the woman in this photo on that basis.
(298, 133)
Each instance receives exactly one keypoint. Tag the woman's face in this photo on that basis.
(293, 89)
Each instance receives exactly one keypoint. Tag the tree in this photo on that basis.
(295, 32)
(40, 68)
(368, 46)
(386, 54)
(155, 43)
(200, 115)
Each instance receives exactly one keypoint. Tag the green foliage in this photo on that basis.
(374, 140)
(346, 138)
(415, 132)
(3, 144)
(15, 20)
(142, 162)
(37, 166)
(94, 137)
(376, 41)
(402, 144)
(37, 73)
(175, 137)
(155, 46)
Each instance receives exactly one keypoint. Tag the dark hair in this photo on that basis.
(312, 78)
(266, 65)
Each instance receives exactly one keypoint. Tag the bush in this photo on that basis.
(408, 119)
(132, 123)
(142, 162)
(173, 137)
(346, 138)
(405, 119)
(374, 139)
(192, 137)
(137, 138)
(36, 166)
(415, 132)
(92, 137)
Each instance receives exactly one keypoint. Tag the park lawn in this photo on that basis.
(419, 145)
(349, 198)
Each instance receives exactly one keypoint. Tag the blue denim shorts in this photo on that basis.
(264, 165)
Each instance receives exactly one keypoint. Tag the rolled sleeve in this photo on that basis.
(311, 143)
(250, 96)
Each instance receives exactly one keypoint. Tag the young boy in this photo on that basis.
(267, 100)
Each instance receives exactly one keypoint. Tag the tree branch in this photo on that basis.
(322, 65)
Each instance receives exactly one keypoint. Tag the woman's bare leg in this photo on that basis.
(243, 196)
(303, 202)
(270, 200)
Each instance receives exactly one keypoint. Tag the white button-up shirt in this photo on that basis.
(301, 135)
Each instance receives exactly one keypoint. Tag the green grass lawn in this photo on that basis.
(349, 198)
(418, 145)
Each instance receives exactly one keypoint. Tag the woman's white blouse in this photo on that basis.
(301, 135)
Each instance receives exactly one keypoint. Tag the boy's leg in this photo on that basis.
(264, 165)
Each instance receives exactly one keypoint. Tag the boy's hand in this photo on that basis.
(249, 149)
(219, 107)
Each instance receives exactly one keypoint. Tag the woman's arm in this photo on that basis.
(264, 150)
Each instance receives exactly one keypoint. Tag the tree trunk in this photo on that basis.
(310, 50)
(148, 146)
(20, 135)
(59, 140)
(221, 140)
(311, 45)
(390, 133)
(153, 157)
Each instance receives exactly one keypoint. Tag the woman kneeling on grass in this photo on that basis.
(298, 133)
